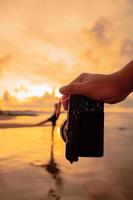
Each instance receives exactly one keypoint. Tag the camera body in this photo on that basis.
(83, 131)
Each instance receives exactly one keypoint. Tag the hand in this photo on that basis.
(106, 88)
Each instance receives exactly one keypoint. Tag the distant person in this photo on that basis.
(53, 118)
(109, 88)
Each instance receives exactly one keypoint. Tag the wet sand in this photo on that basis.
(33, 166)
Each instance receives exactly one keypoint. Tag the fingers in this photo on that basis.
(79, 79)
(83, 88)
(74, 88)
(69, 89)
(66, 91)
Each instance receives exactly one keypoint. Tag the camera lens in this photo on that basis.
(64, 130)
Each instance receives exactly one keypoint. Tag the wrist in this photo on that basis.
(122, 83)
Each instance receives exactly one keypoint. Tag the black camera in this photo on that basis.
(83, 131)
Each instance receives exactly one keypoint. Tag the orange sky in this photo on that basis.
(44, 44)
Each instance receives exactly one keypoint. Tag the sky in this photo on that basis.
(44, 44)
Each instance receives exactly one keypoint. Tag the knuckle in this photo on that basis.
(84, 74)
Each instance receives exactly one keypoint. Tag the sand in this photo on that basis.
(33, 165)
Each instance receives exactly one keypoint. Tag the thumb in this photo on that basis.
(75, 88)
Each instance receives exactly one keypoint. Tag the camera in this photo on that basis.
(83, 131)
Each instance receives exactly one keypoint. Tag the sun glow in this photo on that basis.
(26, 91)
(57, 93)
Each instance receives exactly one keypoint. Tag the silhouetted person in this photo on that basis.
(51, 119)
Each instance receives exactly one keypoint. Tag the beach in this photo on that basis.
(33, 164)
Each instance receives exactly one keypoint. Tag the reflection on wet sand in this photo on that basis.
(52, 167)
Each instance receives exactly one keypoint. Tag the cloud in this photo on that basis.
(104, 51)
(130, 1)
(8, 101)
(100, 46)
(40, 102)
(6, 96)
(21, 88)
(100, 30)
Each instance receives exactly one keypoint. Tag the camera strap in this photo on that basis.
(61, 100)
